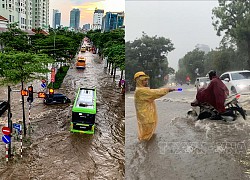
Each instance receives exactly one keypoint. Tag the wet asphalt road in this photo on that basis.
(185, 149)
(55, 153)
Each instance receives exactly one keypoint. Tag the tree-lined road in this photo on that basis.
(55, 153)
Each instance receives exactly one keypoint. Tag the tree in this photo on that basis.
(15, 39)
(192, 65)
(233, 17)
(19, 67)
(148, 54)
(101, 39)
(66, 44)
(110, 45)
(116, 56)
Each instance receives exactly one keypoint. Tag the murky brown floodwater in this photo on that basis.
(55, 153)
(185, 149)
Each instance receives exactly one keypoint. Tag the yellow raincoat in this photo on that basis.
(146, 109)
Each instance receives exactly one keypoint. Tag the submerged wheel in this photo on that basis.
(204, 115)
(192, 113)
(239, 110)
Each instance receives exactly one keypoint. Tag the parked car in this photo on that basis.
(201, 82)
(56, 99)
(3, 107)
(237, 81)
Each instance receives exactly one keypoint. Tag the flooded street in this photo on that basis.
(55, 153)
(185, 149)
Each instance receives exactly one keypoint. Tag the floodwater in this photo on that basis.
(185, 149)
(54, 152)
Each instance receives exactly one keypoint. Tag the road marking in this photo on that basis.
(6, 139)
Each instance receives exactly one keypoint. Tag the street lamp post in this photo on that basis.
(54, 53)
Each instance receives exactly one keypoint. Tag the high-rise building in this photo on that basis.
(28, 13)
(40, 14)
(97, 19)
(75, 18)
(56, 19)
(20, 12)
(8, 10)
(203, 47)
(86, 27)
(112, 20)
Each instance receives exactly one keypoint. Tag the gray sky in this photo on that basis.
(186, 23)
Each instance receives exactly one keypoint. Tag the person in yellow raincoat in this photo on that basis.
(145, 106)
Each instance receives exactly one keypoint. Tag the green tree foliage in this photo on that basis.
(233, 17)
(66, 44)
(116, 55)
(189, 65)
(19, 67)
(149, 54)
(15, 39)
(222, 59)
(62, 72)
(111, 45)
(102, 40)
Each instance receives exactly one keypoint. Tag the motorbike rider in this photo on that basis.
(215, 94)
(122, 86)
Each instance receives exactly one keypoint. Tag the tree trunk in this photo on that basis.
(120, 79)
(105, 63)
(112, 69)
(114, 73)
(109, 66)
(121, 75)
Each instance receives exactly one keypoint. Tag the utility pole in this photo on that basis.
(54, 55)
(9, 121)
(24, 124)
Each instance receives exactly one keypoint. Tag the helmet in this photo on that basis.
(140, 73)
(211, 73)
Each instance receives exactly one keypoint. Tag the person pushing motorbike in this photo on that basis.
(215, 94)
(145, 106)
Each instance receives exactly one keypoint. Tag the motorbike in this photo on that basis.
(232, 105)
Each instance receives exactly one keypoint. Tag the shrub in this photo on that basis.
(61, 73)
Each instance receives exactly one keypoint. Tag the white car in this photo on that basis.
(237, 81)
(201, 82)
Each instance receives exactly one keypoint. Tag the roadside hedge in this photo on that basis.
(61, 73)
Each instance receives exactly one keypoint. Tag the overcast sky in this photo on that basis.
(86, 7)
(186, 23)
